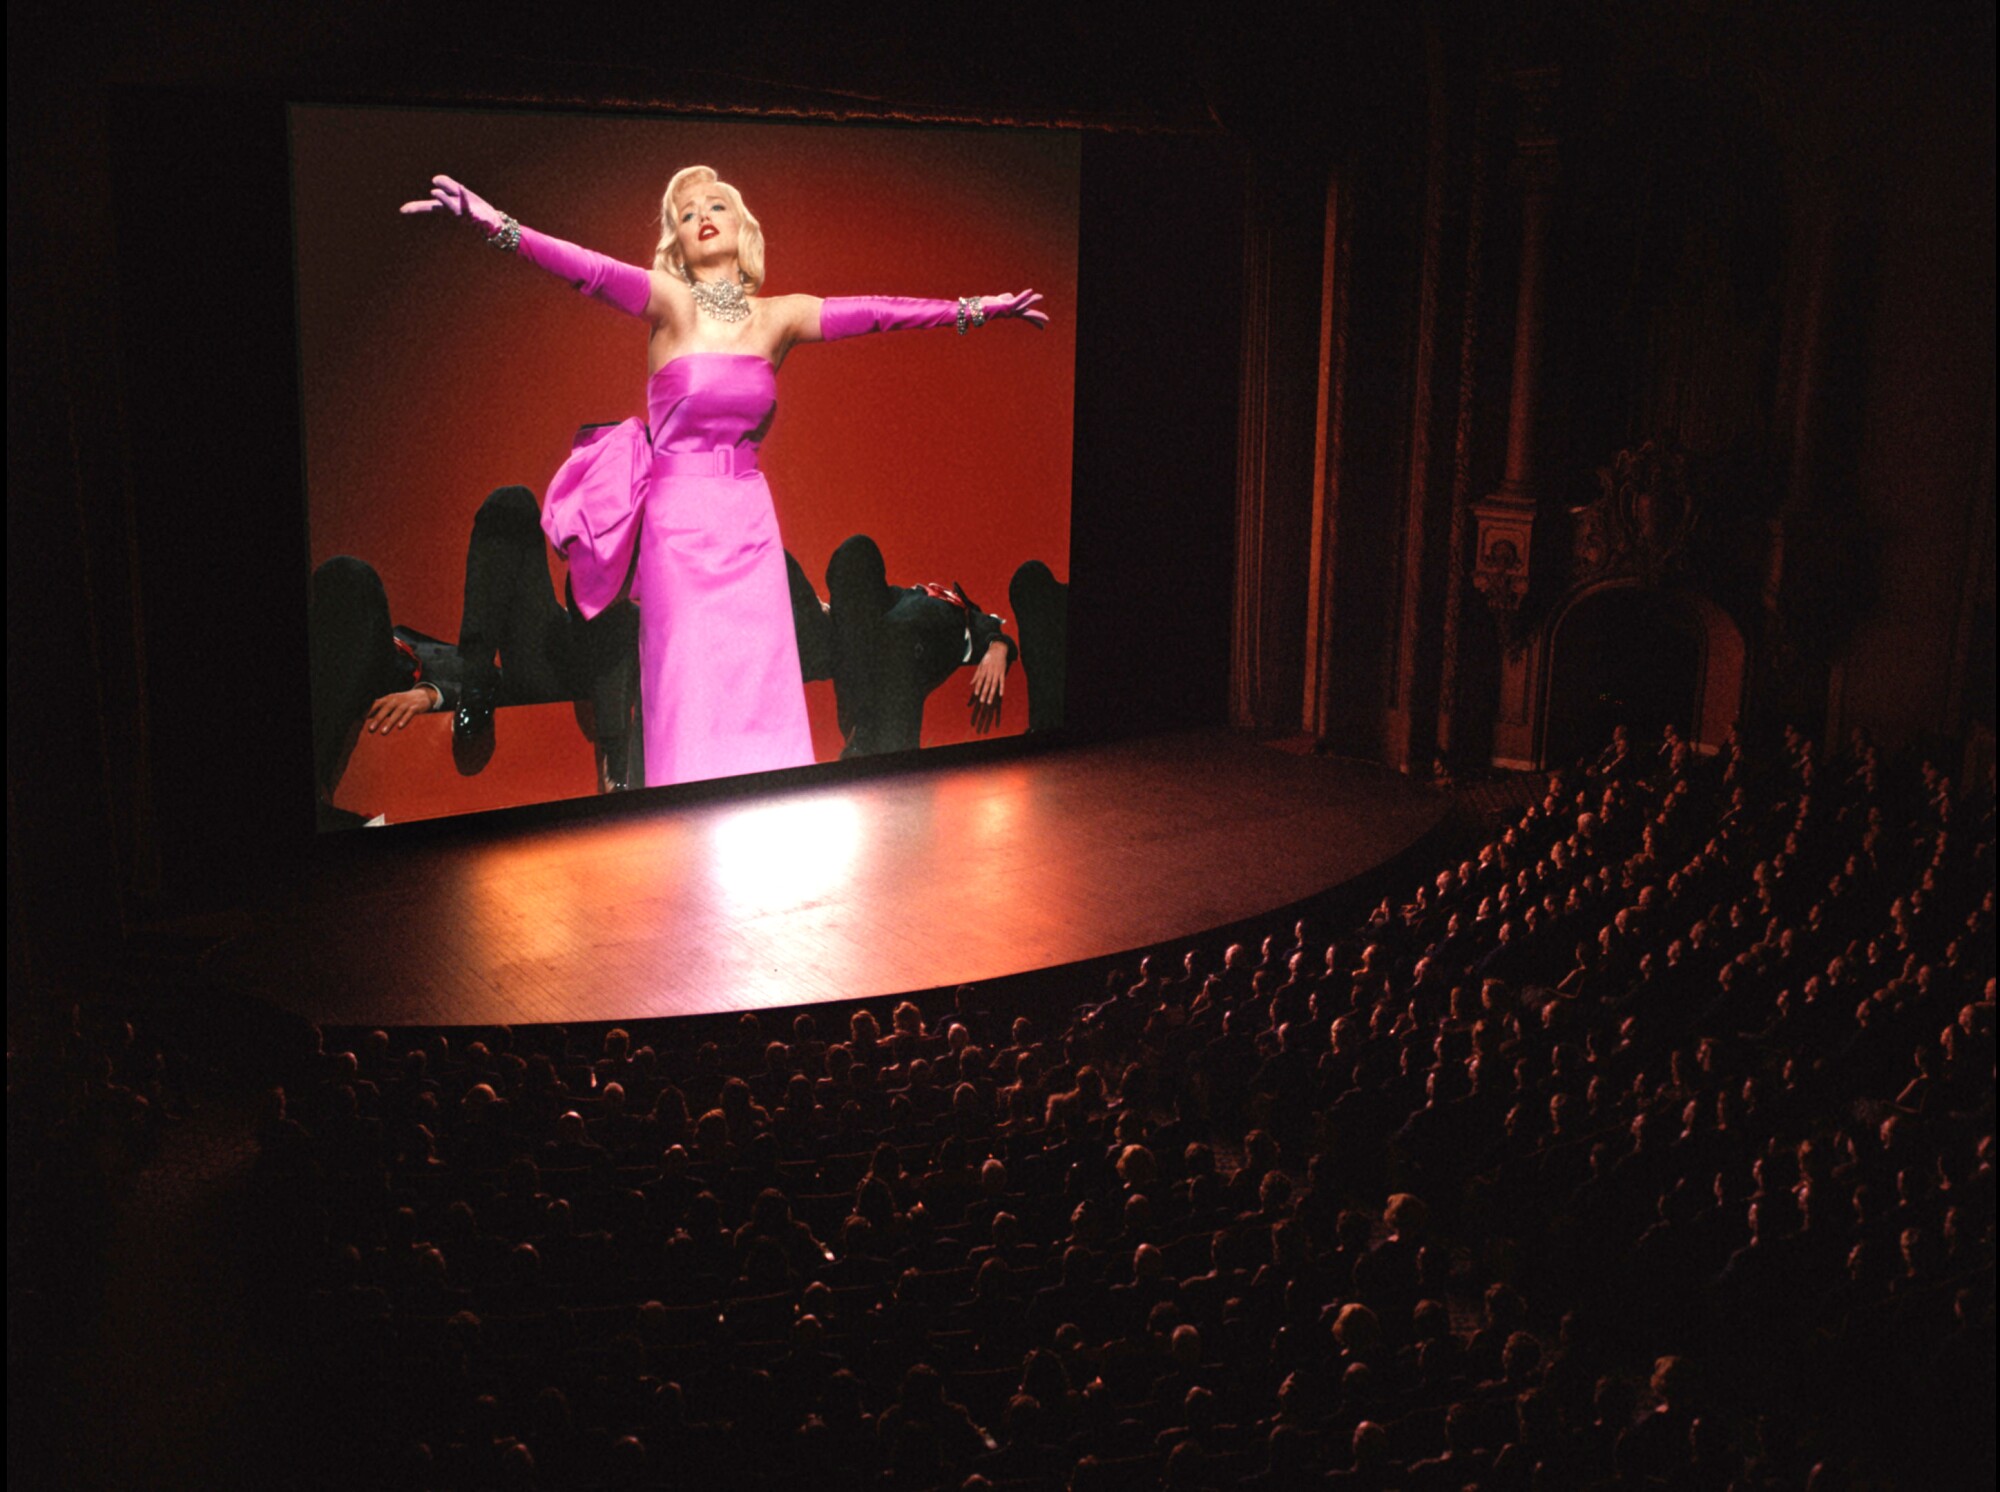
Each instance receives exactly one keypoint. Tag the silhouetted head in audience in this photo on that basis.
(1356, 1329)
(1370, 1445)
(1520, 1359)
(1186, 1347)
(1408, 1218)
(524, 1265)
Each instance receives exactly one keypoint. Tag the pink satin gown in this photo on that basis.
(718, 656)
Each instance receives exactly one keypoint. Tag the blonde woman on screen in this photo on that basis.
(673, 510)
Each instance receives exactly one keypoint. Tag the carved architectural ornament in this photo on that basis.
(1644, 522)
(1501, 569)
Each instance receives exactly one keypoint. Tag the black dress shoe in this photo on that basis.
(614, 766)
(471, 721)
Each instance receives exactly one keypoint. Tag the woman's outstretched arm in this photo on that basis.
(854, 315)
(628, 287)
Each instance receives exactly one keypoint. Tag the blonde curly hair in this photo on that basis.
(749, 237)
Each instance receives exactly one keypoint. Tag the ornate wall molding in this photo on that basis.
(1410, 739)
(1504, 544)
(1501, 570)
(1462, 432)
(1644, 522)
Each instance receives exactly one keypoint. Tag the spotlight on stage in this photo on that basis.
(778, 856)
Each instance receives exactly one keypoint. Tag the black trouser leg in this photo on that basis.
(603, 658)
(604, 653)
(812, 623)
(547, 651)
(510, 607)
(898, 716)
(353, 660)
(858, 594)
(1041, 611)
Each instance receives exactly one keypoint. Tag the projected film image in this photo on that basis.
(649, 452)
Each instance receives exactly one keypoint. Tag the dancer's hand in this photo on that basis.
(394, 711)
(459, 201)
(989, 686)
(1022, 306)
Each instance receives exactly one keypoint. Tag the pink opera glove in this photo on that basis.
(450, 198)
(625, 286)
(852, 315)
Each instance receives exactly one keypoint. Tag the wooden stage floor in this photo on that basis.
(826, 892)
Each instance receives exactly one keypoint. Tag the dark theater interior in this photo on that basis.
(1464, 959)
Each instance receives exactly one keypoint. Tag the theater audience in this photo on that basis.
(1646, 1142)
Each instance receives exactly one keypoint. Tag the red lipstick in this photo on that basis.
(708, 231)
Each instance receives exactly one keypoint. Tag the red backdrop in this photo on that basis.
(434, 369)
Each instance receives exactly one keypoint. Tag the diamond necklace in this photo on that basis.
(721, 299)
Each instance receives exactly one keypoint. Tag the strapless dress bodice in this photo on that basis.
(702, 401)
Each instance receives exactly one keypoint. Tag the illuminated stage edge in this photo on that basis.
(820, 893)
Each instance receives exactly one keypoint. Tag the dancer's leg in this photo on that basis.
(352, 658)
(896, 721)
(859, 596)
(603, 671)
(510, 607)
(1041, 610)
(813, 623)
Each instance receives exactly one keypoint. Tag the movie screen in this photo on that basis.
(610, 488)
